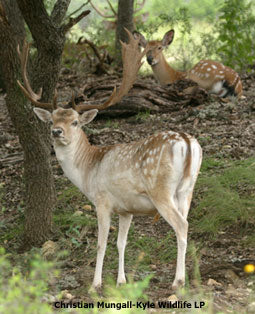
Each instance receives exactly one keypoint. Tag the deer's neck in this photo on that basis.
(165, 74)
(78, 161)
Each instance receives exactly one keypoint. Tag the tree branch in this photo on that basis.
(112, 8)
(77, 10)
(73, 21)
(59, 11)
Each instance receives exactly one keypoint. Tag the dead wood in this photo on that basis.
(146, 95)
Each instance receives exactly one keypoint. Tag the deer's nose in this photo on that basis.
(56, 132)
(150, 59)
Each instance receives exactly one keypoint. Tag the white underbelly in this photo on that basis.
(136, 204)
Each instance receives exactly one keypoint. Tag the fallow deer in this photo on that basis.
(153, 175)
(212, 76)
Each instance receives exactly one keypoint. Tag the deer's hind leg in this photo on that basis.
(167, 206)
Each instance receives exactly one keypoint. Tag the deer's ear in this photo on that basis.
(168, 38)
(142, 40)
(88, 116)
(43, 114)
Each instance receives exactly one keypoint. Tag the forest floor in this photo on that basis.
(226, 132)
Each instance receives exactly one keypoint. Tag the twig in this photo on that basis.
(101, 13)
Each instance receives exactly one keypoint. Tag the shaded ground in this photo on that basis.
(225, 130)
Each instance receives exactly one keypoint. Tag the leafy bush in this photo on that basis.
(21, 293)
(236, 34)
(26, 293)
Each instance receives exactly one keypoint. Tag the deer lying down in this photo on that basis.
(213, 76)
(154, 175)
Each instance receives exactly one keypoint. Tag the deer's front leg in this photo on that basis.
(124, 224)
(104, 219)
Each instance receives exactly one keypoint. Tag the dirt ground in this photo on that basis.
(224, 130)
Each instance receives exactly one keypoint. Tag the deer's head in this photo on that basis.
(65, 123)
(155, 47)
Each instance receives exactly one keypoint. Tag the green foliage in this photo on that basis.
(143, 115)
(22, 293)
(72, 226)
(199, 8)
(236, 34)
(227, 196)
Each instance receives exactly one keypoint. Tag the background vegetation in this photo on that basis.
(213, 29)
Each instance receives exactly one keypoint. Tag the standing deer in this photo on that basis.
(213, 76)
(154, 175)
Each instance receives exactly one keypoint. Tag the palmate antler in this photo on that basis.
(132, 61)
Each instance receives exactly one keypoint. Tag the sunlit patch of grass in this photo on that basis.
(226, 196)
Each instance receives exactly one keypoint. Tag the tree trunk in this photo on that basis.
(125, 19)
(38, 177)
(49, 36)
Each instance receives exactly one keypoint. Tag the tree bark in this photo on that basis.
(125, 19)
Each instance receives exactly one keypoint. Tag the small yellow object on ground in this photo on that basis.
(249, 268)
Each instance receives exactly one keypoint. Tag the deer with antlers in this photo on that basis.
(212, 76)
(154, 175)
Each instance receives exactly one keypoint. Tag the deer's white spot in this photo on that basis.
(209, 69)
(214, 66)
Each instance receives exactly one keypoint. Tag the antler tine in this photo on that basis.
(26, 89)
(131, 59)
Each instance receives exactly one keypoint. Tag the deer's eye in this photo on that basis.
(160, 47)
(75, 123)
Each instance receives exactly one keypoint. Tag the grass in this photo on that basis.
(226, 196)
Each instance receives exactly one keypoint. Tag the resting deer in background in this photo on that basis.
(154, 175)
(213, 76)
